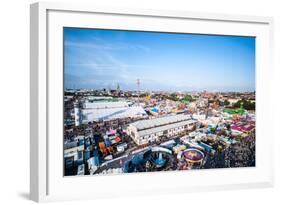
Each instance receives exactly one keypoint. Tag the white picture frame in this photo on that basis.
(46, 179)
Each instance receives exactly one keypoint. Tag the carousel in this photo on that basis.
(192, 158)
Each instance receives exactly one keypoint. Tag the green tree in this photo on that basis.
(226, 102)
(246, 104)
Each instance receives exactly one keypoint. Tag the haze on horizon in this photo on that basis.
(97, 59)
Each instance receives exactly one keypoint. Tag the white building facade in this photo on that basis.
(147, 131)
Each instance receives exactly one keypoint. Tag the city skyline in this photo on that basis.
(97, 59)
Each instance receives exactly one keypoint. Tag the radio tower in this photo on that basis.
(138, 84)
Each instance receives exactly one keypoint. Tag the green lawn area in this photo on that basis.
(239, 111)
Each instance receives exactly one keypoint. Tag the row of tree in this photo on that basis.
(246, 104)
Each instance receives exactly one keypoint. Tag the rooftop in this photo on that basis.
(105, 104)
(112, 113)
(193, 155)
(165, 127)
(156, 122)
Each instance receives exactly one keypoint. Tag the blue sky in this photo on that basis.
(162, 61)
